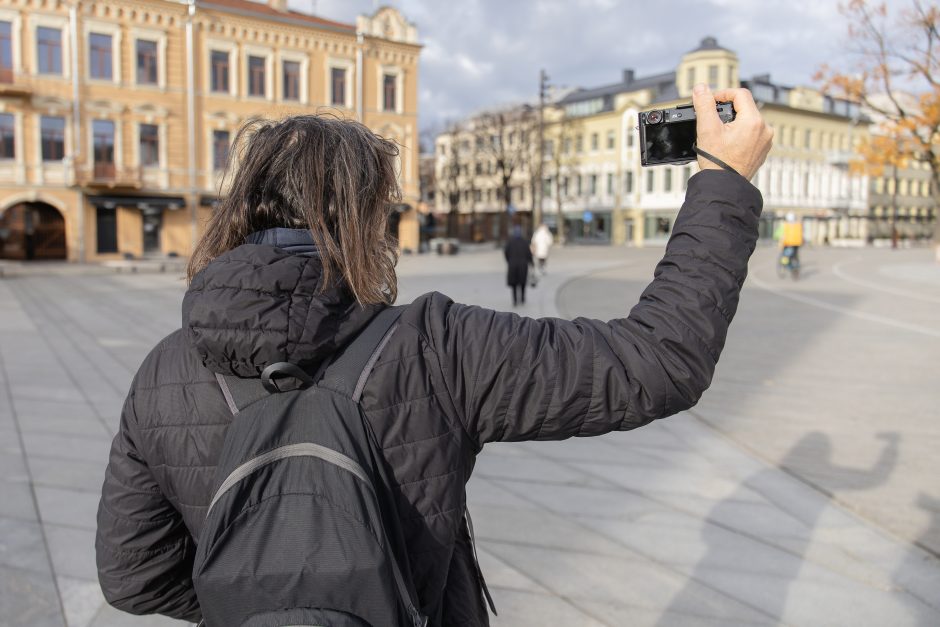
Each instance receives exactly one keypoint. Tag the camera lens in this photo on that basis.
(654, 117)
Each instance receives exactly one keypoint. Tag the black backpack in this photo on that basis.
(302, 528)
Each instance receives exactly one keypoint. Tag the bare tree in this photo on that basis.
(449, 182)
(506, 137)
(895, 56)
(562, 164)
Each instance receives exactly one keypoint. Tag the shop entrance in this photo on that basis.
(32, 231)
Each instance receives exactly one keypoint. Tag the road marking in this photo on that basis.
(800, 298)
(837, 270)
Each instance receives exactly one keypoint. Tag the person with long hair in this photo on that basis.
(297, 260)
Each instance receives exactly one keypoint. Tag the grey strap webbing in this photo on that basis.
(350, 370)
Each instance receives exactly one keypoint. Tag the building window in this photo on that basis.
(691, 77)
(610, 184)
(49, 50)
(102, 132)
(389, 88)
(579, 144)
(99, 56)
(628, 138)
(667, 182)
(592, 185)
(256, 76)
(713, 76)
(220, 148)
(338, 86)
(291, 80)
(52, 138)
(579, 188)
(650, 181)
(731, 80)
(628, 183)
(106, 226)
(7, 136)
(566, 146)
(146, 62)
(219, 78)
(6, 52)
(611, 138)
(808, 139)
(594, 141)
(686, 175)
(149, 145)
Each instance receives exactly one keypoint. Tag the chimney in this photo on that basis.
(278, 5)
(628, 75)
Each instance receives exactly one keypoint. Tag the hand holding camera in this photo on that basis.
(742, 143)
(721, 130)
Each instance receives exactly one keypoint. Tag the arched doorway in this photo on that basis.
(32, 230)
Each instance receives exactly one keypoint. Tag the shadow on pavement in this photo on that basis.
(768, 546)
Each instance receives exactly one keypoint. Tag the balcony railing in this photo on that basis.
(106, 174)
(13, 84)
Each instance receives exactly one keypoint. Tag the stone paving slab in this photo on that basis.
(690, 521)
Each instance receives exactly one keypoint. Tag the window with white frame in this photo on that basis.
(290, 80)
(222, 59)
(293, 76)
(390, 90)
(221, 144)
(7, 136)
(147, 62)
(257, 78)
(49, 50)
(339, 79)
(103, 41)
(219, 70)
(52, 138)
(149, 145)
(6, 51)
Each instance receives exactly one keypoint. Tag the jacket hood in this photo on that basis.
(259, 304)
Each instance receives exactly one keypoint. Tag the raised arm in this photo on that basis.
(514, 378)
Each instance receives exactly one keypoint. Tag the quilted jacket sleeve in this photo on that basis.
(144, 551)
(514, 378)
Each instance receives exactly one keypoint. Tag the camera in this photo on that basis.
(668, 135)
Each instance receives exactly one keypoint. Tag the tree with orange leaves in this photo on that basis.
(896, 77)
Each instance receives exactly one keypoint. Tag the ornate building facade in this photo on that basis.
(117, 117)
(594, 190)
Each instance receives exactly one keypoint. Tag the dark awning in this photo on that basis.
(144, 203)
(207, 200)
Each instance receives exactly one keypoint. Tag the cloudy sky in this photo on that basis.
(479, 53)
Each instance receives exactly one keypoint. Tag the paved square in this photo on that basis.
(802, 490)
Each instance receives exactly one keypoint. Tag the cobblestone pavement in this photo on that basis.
(801, 491)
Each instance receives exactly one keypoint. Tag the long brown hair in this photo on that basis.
(332, 176)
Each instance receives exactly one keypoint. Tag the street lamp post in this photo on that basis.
(539, 185)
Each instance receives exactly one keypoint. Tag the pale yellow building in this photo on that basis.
(594, 189)
(116, 118)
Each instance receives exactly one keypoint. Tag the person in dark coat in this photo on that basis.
(296, 260)
(519, 257)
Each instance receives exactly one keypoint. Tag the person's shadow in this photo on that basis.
(755, 539)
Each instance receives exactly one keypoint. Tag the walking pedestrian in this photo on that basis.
(542, 241)
(518, 258)
(294, 274)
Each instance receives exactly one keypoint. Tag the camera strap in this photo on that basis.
(714, 159)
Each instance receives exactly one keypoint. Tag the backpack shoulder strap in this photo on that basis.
(348, 373)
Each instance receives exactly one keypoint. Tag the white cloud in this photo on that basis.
(480, 53)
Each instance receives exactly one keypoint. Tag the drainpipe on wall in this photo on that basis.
(191, 115)
(77, 125)
(359, 80)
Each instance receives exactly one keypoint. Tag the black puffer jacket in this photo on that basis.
(453, 378)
